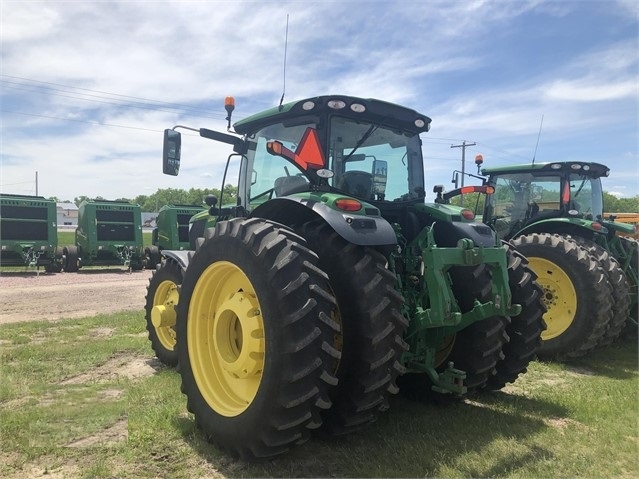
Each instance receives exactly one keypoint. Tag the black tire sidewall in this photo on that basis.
(169, 271)
(259, 420)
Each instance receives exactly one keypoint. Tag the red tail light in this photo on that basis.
(348, 204)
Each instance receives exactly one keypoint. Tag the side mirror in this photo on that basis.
(210, 200)
(380, 176)
(171, 152)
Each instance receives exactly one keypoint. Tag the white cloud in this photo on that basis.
(458, 62)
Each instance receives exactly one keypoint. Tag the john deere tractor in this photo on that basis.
(553, 213)
(329, 277)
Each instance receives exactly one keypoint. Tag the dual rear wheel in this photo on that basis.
(576, 292)
(258, 338)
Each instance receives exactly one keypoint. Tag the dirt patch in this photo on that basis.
(111, 435)
(38, 472)
(31, 297)
(121, 366)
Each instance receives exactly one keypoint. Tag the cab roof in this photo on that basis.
(594, 170)
(371, 110)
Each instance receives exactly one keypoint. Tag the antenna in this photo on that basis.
(284, 74)
(538, 135)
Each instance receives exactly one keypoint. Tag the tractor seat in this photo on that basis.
(357, 183)
(285, 185)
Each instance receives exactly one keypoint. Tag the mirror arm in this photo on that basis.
(186, 128)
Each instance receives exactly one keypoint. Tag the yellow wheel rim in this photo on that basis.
(559, 296)
(163, 313)
(225, 336)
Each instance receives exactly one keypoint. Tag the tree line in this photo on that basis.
(196, 196)
(612, 204)
(167, 196)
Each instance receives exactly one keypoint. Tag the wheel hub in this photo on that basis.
(163, 315)
(237, 343)
(559, 296)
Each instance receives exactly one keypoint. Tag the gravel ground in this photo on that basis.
(31, 296)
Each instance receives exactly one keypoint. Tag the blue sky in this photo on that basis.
(88, 87)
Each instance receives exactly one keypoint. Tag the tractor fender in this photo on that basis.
(357, 228)
(449, 233)
(563, 226)
(181, 257)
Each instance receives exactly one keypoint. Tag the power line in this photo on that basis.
(100, 92)
(79, 121)
(110, 98)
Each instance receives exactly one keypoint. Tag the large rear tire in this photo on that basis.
(620, 292)
(576, 294)
(631, 271)
(162, 298)
(256, 338)
(372, 326)
(524, 330)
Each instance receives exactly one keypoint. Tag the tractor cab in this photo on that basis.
(365, 149)
(528, 194)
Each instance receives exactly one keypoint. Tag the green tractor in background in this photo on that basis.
(553, 214)
(329, 280)
(171, 231)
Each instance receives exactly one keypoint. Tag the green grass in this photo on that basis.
(66, 382)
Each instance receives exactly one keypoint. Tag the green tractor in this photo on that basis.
(553, 214)
(171, 232)
(329, 280)
(28, 232)
(108, 233)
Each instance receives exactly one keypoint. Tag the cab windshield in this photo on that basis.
(520, 198)
(368, 161)
(586, 196)
(270, 176)
(374, 162)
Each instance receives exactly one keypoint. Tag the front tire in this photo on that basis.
(256, 338)
(576, 293)
(162, 298)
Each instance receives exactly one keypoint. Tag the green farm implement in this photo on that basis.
(108, 233)
(28, 232)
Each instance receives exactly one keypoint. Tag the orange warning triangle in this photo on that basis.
(309, 151)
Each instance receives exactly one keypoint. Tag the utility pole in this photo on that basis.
(463, 169)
